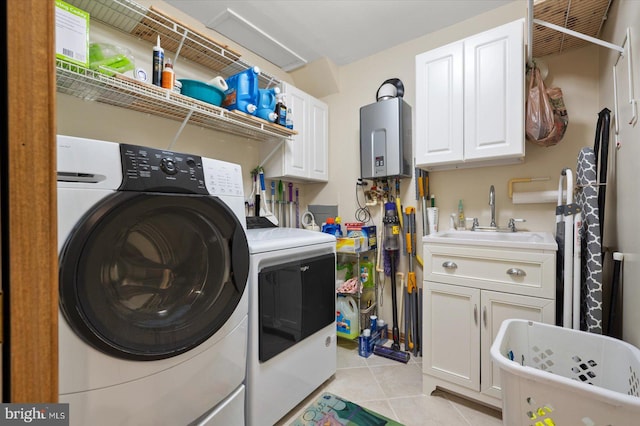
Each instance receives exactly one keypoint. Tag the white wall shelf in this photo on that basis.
(140, 22)
(128, 93)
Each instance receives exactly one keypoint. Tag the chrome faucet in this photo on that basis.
(492, 204)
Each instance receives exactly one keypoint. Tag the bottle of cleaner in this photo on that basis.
(364, 343)
(330, 227)
(461, 219)
(267, 103)
(338, 221)
(289, 119)
(168, 76)
(281, 110)
(347, 317)
(158, 63)
(366, 273)
(373, 321)
(243, 91)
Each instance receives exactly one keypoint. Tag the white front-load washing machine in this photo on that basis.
(292, 319)
(153, 266)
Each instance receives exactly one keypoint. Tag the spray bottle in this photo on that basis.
(158, 63)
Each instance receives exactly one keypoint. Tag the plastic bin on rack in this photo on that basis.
(558, 376)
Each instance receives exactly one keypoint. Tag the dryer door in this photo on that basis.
(147, 276)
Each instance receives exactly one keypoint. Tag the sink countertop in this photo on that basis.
(521, 239)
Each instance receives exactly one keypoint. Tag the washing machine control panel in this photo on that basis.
(151, 169)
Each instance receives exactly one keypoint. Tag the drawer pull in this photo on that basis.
(449, 265)
(516, 272)
(475, 313)
(484, 315)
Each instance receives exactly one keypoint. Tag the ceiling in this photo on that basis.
(291, 33)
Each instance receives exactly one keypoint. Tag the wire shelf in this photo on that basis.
(586, 17)
(146, 24)
(126, 92)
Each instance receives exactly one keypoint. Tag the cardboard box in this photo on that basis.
(357, 229)
(72, 34)
(349, 244)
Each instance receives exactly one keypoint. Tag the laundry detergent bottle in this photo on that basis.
(366, 273)
(267, 103)
(243, 91)
(331, 227)
(347, 317)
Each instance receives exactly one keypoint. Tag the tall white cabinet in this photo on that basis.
(470, 101)
(468, 292)
(304, 157)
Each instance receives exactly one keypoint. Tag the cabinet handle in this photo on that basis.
(449, 265)
(475, 313)
(516, 272)
(484, 315)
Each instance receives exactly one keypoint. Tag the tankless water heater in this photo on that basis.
(385, 139)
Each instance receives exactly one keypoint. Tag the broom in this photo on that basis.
(391, 247)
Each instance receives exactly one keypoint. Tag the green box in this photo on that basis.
(72, 34)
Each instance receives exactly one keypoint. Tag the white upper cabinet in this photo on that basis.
(470, 101)
(439, 105)
(304, 157)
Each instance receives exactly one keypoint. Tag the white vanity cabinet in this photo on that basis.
(304, 157)
(468, 292)
(470, 101)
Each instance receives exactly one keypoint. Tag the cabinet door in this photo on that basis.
(497, 307)
(439, 106)
(452, 334)
(494, 93)
(318, 140)
(295, 150)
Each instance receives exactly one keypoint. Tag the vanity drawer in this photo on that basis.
(513, 271)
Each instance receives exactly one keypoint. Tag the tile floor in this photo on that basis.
(394, 390)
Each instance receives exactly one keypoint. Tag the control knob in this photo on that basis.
(168, 166)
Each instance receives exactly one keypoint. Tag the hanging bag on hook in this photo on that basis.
(546, 115)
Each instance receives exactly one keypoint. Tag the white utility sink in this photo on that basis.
(519, 239)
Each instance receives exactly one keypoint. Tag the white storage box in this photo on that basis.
(557, 376)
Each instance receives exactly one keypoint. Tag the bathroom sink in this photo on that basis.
(520, 239)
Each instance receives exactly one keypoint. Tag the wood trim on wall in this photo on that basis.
(32, 284)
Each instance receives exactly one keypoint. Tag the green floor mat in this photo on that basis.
(331, 410)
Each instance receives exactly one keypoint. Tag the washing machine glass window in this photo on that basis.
(296, 299)
(149, 276)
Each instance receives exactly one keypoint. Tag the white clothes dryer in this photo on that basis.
(153, 265)
(292, 320)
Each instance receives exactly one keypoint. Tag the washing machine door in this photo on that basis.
(147, 276)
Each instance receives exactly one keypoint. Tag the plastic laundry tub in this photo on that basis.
(202, 91)
(558, 376)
